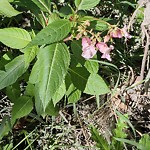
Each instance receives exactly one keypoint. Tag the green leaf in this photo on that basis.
(129, 3)
(7, 10)
(99, 25)
(44, 5)
(38, 101)
(126, 120)
(130, 142)
(92, 67)
(34, 76)
(51, 109)
(53, 17)
(54, 32)
(8, 146)
(65, 11)
(60, 92)
(22, 107)
(86, 4)
(6, 58)
(96, 85)
(30, 90)
(13, 91)
(54, 62)
(77, 51)
(77, 3)
(120, 132)
(14, 37)
(99, 139)
(79, 76)
(5, 126)
(145, 142)
(29, 54)
(73, 94)
(14, 70)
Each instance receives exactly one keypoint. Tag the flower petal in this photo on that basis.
(106, 56)
(105, 50)
(117, 33)
(102, 47)
(85, 42)
(125, 33)
(88, 52)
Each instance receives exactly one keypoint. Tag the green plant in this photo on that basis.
(119, 136)
(118, 132)
(49, 56)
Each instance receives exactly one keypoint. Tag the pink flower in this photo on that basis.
(88, 48)
(105, 50)
(125, 33)
(117, 33)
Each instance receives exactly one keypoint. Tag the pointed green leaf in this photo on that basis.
(96, 85)
(29, 54)
(7, 10)
(14, 70)
(54, 32)
(22, 107)
(50, 109)
(86, 4)
(73, 94)
(59, 93)
(54, 62)
(79, 76)
(99, 139)
(77, 3)
(43, 4)
(14, 37)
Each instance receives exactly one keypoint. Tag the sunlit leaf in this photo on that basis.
(14, 37)
(7, 10)
(13, 71)
(86, 4)
(96, 85)
(50, 70)
(60, 92)
(54, 32)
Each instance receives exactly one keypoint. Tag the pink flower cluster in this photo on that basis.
(90, 47)
(117, 33)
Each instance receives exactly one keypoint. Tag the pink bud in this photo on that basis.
(106, 38)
